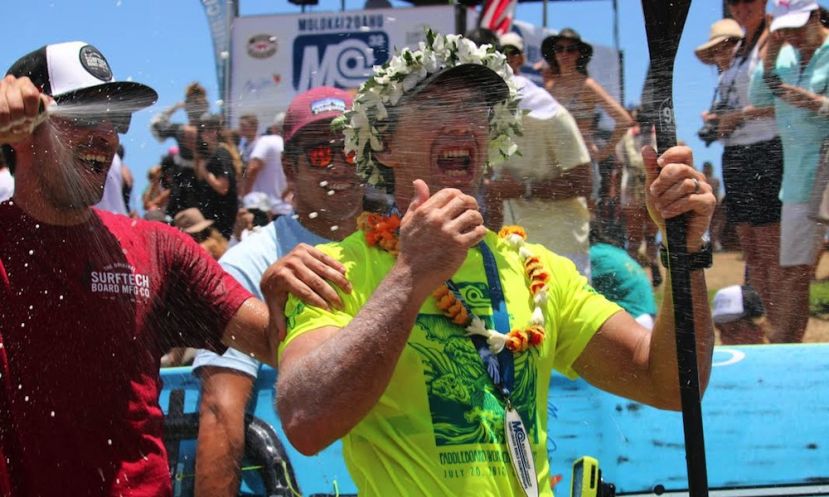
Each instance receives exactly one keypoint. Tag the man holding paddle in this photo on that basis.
(435, 370)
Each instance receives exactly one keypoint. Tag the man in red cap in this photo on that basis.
(328, 195)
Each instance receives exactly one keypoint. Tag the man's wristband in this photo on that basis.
(702, 259)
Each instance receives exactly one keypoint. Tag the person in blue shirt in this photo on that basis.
(617, 276)
(794, 77)
(328, 196)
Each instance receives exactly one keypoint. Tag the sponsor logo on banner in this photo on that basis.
(342, 60)
(260, 84)
(262, 46)
(347, 22)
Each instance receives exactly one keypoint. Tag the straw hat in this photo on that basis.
(191, 221)
(570, 34)
(721, 31)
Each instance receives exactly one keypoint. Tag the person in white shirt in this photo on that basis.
(264, 172)
(545, 189)
(113, 199)
(6, 181)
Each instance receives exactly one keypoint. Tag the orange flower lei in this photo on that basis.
(383, 231)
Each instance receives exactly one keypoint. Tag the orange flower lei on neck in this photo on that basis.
(384, 231)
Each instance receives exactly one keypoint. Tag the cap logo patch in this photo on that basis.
(95, 64)
(327, 105)
(262, 46)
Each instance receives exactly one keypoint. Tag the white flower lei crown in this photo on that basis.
(363, 124)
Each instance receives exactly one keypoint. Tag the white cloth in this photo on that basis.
(550, 146)
(271, 178)
(733, 88)
(113, 199)
(537, 100)
(800, 236)
(6, 184)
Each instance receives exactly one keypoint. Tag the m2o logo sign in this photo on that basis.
(342, 60)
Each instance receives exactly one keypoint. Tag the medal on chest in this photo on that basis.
(520, 451)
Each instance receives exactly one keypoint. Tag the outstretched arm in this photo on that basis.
(620, 116)
(329, 379)
(625, 358)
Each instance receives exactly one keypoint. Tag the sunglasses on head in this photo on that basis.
(321, 156)
(735, 2)
(571, 48)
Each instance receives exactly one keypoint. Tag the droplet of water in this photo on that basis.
(52, 414)
(109, 441)
(22, 325)
(334, 228)
(20, 386)
(323, 184)
(60, 297)
(31, 252)
(295, 216)
(331, 193)
(26, 398)
(313, 215)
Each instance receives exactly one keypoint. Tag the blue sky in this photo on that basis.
(166, 44)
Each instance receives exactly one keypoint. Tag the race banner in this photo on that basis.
(219, 17)
(276, 57)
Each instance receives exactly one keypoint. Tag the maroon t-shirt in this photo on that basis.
(86, 312)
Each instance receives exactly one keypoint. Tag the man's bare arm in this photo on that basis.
(255, 166)
(248, 332)
(628, 360)
(329, 378)
(623, 357)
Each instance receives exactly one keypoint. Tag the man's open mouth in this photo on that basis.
(94, 161)
(339, 184)
(456, 162)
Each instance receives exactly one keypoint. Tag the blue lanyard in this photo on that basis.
(500, 367)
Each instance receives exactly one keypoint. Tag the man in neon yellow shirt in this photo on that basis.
(420, 405)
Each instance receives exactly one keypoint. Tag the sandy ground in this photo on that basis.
(728, 270)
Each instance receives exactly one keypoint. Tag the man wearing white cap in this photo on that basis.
(738, 315)
(545, 188)
(794, 78)
(89, 297)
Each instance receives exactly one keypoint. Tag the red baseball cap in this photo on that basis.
(323, 103)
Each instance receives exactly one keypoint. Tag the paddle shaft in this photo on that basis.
(664, 22)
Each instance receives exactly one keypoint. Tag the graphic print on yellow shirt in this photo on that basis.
(438, 429)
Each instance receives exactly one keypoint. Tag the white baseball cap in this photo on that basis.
(736, 302)
(511, 39)
(791, 13)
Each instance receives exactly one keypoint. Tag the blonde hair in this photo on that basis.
(215, 244)
(195, 90)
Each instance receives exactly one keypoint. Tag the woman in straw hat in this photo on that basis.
(571, 85)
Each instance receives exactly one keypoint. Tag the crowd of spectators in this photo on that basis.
(579, 192)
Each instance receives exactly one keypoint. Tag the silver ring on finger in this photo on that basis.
(696, 186)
